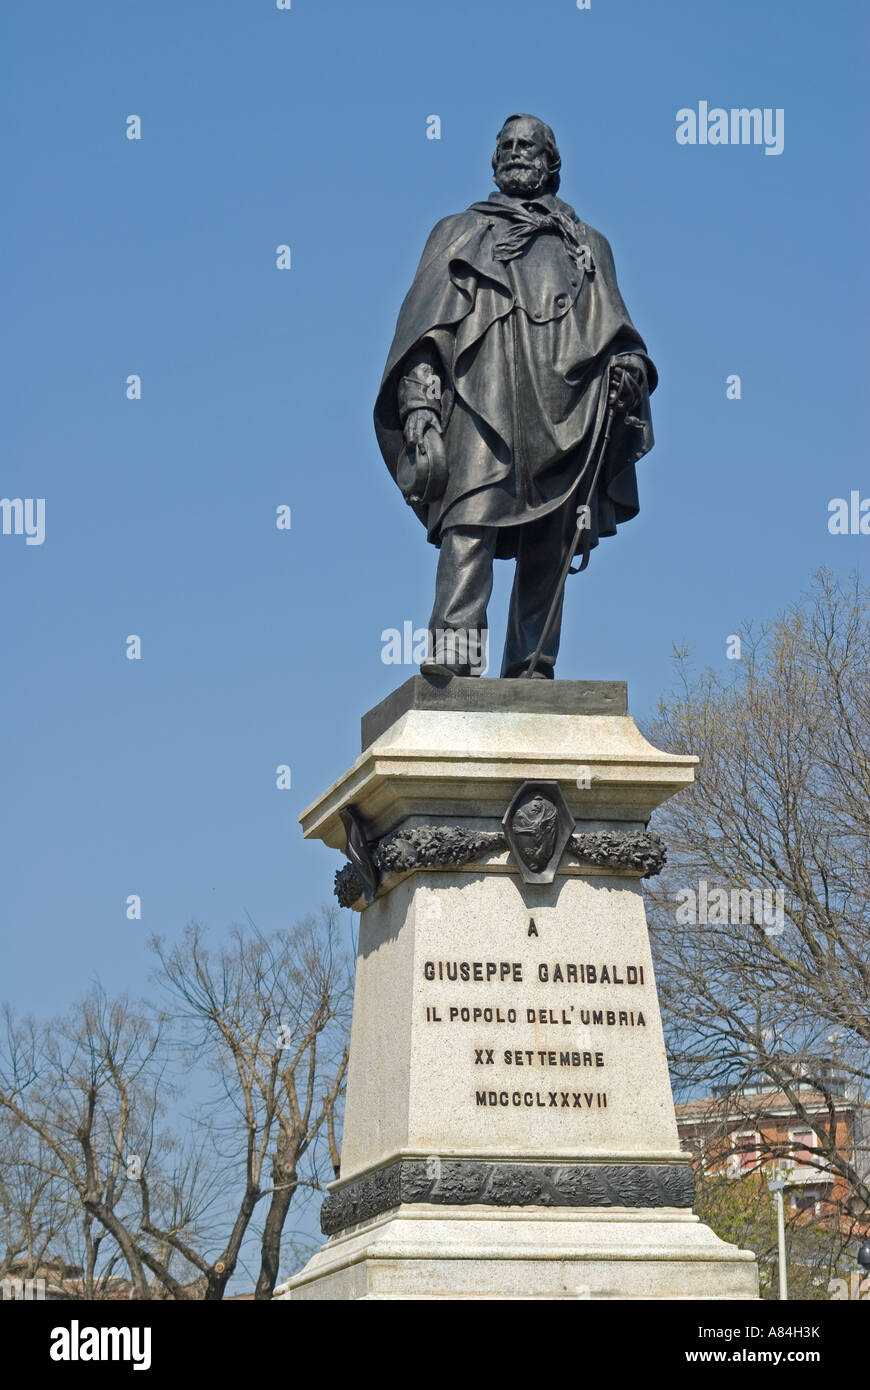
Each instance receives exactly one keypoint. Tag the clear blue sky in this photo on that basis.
(157, 257)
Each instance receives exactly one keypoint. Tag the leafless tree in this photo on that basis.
(272, 1014)
(86, 1089)
(776, 992)
(34, 1211)
(91, 1160)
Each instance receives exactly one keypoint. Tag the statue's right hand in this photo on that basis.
(416, 425)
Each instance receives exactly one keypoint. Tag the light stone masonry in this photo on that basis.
(500, 1026)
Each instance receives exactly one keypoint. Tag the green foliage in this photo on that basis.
(742, 1211)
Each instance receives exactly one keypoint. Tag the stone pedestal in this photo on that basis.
(509, 1128)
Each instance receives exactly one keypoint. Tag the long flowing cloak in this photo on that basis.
(523, 349)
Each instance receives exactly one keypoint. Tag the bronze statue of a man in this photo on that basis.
(514, 405)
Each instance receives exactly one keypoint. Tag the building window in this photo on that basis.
(744, 1152)
(804, 1141)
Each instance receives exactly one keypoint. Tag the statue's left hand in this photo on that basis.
(627, 382)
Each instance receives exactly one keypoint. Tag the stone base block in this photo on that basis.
(426, 1252)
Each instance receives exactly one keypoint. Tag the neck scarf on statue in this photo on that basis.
(525, 222)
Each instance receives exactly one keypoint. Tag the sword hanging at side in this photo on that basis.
(580, 537)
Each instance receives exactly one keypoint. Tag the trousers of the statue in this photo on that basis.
(464, 584)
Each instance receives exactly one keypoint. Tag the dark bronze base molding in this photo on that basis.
(439, 846)
(462, 1182)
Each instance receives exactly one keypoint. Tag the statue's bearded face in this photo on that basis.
(521, 166)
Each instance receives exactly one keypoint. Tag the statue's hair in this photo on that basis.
(551, 152)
